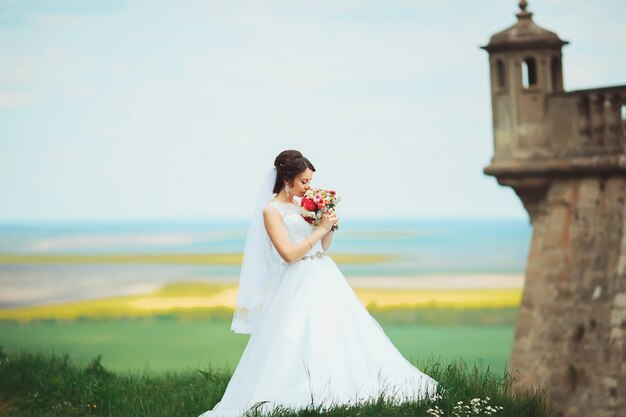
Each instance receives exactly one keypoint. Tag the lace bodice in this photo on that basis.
(297, 228)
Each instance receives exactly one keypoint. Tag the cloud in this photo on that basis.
(14, 100)
(57, 21)
(17, 69)
(155, 107)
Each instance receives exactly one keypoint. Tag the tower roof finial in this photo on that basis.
(524, 34)
(523, 4)
(523, 14)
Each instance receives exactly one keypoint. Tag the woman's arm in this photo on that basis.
(280, 238)
(328, 237)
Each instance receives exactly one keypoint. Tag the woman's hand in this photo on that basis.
(327, 221)
(331, 218)
(334, 218)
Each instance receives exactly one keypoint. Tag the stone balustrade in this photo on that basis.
(594, 121)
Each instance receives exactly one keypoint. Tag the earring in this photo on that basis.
(287, 190)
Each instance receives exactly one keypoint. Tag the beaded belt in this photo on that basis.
(318, 255)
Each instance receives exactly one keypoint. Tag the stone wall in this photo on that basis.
(572, 322)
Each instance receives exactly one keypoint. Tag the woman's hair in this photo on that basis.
(288, 164)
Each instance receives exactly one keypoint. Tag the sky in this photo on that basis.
(155, 110)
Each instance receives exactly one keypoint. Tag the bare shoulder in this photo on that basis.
(272, 217)
(271, 211)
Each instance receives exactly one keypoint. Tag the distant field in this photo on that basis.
(158, 345)
(168, 258)
(188, 325)
(202, 300)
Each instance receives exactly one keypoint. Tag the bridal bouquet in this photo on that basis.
(315, 203)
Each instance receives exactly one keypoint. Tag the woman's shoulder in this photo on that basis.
(282, 208)
(271, 207)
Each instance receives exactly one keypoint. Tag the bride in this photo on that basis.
(312, 341)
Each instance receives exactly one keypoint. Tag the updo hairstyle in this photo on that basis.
(288, 164)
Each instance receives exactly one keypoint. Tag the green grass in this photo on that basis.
(504, 316)
(40, 384)
(489, 345)
(166, 343)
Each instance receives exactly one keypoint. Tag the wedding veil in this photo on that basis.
(260, 267)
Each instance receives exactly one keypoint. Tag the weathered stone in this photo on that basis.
(620, 301)
(564, 155)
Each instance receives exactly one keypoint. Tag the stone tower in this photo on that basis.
(564, 155)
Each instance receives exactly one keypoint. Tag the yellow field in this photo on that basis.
(198, 297)
(169, 258)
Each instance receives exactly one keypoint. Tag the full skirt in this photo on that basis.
(317, 345)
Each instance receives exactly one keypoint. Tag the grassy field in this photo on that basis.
(188, 325)
(38, 384)
(168, 344)
(171, 352)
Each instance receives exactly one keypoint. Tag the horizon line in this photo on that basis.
(35, 221)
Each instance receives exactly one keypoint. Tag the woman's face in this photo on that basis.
(301, 183)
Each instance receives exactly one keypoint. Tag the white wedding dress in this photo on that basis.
(316, 344)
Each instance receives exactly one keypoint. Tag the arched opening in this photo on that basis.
(557, 73)
(529, 72)
(623, 116)
(500, 74)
